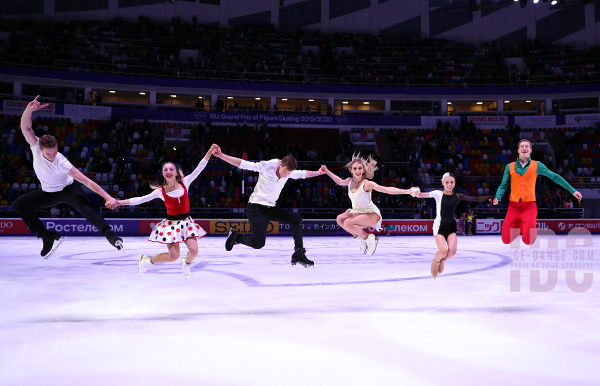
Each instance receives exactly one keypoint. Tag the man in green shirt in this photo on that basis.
(522, 209)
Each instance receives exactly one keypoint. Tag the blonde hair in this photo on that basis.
(369, 165)
(179, 177)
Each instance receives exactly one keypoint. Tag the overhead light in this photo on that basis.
(344, 102)
(448, 103)
(365, 103)
(528, 101)
(199, 97)
(553, 2)
(311, 100)
(284, 99)
(112, 91)
(479, 103)
(173, 96)
(536, 1)
(142, 93)
(506, 101)
(229, 97)
(257, 99)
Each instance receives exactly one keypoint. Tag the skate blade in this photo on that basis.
(55, 246)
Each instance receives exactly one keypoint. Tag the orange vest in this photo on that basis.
(522, 188)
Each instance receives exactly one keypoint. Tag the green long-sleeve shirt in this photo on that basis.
(541, 170)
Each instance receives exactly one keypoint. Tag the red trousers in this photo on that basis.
(521, 217)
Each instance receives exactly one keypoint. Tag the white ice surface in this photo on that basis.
(247, 317)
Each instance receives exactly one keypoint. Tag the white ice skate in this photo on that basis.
(372, 241)
(143, 265)
(185, 268)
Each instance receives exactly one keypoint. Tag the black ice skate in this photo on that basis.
(300, 258)
(230, 242)
(115, 241)
(52, 241)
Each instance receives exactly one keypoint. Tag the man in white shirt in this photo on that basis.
(57, 175)
(273, 175)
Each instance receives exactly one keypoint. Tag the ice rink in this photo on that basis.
(246, 317)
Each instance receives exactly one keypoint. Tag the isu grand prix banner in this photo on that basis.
(494, 226)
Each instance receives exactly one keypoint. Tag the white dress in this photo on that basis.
(362, 203)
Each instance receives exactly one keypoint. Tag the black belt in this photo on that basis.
(178, 216)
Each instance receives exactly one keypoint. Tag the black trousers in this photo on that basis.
(72, 195)
(259, 217)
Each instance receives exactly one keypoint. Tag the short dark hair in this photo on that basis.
(524, 139)
(48, 142)
(289, 162)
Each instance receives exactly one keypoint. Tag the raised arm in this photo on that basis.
(503, 185)
(26, 122)
(310, 173)
(227, 158)
(370, 185)
(187, 180)
(543, 170)
(337, 179)
(111, 203)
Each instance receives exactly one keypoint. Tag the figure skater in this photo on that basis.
(444, 225)
(272, 176)
(363, 213)
(521, 216)
(178, 226)
(61, 183)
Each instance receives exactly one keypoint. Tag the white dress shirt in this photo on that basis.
(268, 188)
(52, 175)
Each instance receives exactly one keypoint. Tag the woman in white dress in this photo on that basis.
(363, 213)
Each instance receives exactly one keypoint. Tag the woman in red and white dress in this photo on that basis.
(178, 227)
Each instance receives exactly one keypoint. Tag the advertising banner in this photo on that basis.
(90, 112)
(489, 122)
(71, 226)
(494, 226)
(582, 119)
(143, 227)
(536, 120)
(19, 106)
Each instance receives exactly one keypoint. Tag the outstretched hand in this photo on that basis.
(323, 169)
(578, 195)
(111, 204)
(415, 191)
(216, 150)
(34, 105)
(494, 201)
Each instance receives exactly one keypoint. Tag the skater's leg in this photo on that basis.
(287, 216)
(75, 197)
(26, 206)
(512, 223)
(341, 220)
(442, 252)
(192, 245)
(529, 222)
(356, 223)
(259, 221)
(168, 257)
